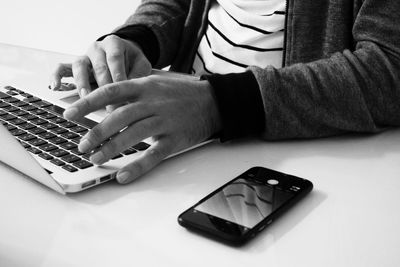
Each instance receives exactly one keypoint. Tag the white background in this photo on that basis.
(62, 26)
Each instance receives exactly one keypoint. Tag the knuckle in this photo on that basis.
(111, 148)
(100, 68)
(111, 37)
(156, 154)
(111, 91)
(138, 168)
(96, 134)
(114, 55)
(122, 112)
(81, 61)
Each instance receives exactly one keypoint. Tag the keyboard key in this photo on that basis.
(47, 115)
(86, 156)
(58, 130)
(20, 112)
(79, 129)
(76, 140)
(27, 95)
(8, 117)
(68, 146)
(17, 132)
(11, 108)
(25, 145)
(37, 142)
(26, 126)
(34, 150)
(38, 111)
(69, 168)
(29, 108)
(57, 140)
(57, 162)
(55, 109)
(11, 100)
(141, 146)
(45, 156)
(82, 164)
(70, 158)
(4, 95)
(11, 92)
(17, 121)
(70, 135)
(9, 87)
(26, 137)
(48, 147)
(129, 151)
(68, 124)
(36, 131)
(117, 157)
(38, 121)
(47, 135)
(42, 103)
(29, 117)
(58, 153)
(10, 127)
(4, 105)
(57, 120)
(76, 151)
(48, 125)
(32, 99)
(20, 104)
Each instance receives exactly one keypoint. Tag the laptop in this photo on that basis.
(37, 141)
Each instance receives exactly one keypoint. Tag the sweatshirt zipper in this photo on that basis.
(285, 34)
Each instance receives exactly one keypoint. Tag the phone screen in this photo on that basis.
(245, 201)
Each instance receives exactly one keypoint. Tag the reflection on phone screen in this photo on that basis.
(245, 202)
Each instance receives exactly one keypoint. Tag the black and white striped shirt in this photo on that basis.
(241, 33)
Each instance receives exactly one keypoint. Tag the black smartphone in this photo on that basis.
(241, 208)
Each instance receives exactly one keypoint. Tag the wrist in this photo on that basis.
(214, 119)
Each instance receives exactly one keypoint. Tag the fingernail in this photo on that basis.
(97, 158)
(53, 85)
(70, 113)
(123, 177)
(84, 92)
(84, 145)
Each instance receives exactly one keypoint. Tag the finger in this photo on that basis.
(99, 66)
(125, 139)
(140, 68)
(161, 149)
(113, 124)
(81, 72)
(107, 95)
(115, 56)
(62, 70)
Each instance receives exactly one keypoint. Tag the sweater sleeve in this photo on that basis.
(240, 104)
(142, 36)
(350, 91)
(157, 27)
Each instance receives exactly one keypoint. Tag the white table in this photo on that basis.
(350, 219)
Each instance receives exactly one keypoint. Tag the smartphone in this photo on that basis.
(243, 207)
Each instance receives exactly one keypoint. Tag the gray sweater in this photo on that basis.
(341, 69)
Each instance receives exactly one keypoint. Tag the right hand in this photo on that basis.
(111, 60)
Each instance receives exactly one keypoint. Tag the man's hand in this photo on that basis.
(177, 113)
(110, 60)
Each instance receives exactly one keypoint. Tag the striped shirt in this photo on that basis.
(241, 33)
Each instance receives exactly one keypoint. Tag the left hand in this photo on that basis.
(178, 113)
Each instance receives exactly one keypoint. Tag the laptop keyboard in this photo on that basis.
(41, 129)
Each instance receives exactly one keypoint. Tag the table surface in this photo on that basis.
(349, 219)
